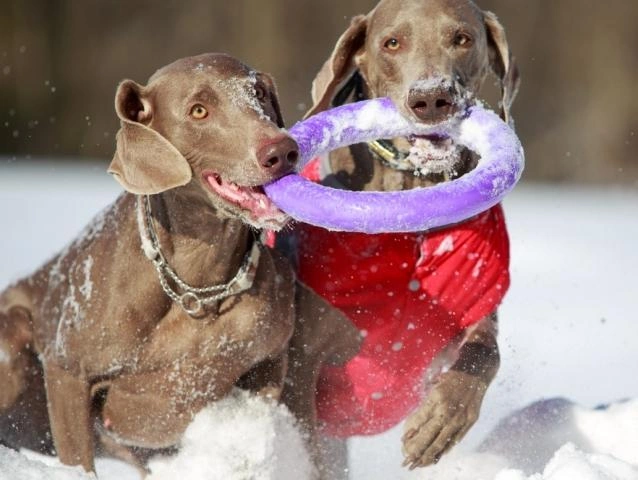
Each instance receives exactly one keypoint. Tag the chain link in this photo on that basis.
(193, 299)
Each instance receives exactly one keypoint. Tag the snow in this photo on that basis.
(4, 355)
(428, 157)
(86, 289)
(446, 245)
(567, 335)
(571, 463)
(568, 463)
(242, 93)
(239, 437)
(554, 437)
(15, 466)
(147, 245)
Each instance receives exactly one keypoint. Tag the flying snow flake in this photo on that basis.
(446, 245)
(5, 357)
(476, 271)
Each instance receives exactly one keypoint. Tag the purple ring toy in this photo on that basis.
(482, 131)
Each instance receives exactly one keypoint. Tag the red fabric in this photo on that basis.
(409, 294)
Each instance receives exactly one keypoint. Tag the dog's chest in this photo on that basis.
(243, 330)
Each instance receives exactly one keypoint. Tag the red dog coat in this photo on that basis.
(409, 294)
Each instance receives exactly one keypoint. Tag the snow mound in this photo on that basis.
(237, 438)
(15, 466)
(569, 463)
(240, 437)
(529, 437)
(557, 437)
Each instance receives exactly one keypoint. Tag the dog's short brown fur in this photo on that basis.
(431, 58)
(115, 350)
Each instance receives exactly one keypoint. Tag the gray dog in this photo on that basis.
(168, 299)
(431, 58)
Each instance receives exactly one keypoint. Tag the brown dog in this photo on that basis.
(168, 299)
(431, 58)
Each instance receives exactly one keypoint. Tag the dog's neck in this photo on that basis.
(203, 247)
(356, 168)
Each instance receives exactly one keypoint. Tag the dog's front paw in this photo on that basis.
(448, 412)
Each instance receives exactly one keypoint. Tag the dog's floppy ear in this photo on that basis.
(144, 162)
(274, 98)
(502, 63)
(339, 66)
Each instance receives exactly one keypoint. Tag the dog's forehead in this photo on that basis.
(214, 75)
(429, 12)
(209, 63)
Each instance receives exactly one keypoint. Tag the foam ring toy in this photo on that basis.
(482, 131)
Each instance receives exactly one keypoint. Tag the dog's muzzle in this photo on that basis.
(435, 100)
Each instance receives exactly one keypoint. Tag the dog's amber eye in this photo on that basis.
(199, 111)
(392, 44)
(462, 40)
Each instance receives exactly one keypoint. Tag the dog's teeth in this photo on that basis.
(262, 203)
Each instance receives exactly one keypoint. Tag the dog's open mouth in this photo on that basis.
(433, 154)
(260, 211)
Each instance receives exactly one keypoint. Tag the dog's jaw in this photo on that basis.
(436, 155)
(249, 202)
(431, 155)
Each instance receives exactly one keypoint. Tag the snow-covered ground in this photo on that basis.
(569, 329)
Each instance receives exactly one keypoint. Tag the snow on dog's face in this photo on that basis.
(210, 124)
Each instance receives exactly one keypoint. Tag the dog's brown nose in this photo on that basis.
(433, 105)
(279, 156)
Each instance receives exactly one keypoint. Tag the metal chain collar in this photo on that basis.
(192, 300)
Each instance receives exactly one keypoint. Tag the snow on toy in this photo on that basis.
(482, 131)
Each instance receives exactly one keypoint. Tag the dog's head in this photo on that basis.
(429, 56)
(209, 124)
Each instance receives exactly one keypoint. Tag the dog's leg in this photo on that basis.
(15, 336)
(452, 406)
(136, 457)
(332, 458)
(69, 401)
(267, 378)
(300, 387)
(323, 335)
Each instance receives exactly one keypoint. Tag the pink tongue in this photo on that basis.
(228, 191)
(256, 202)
